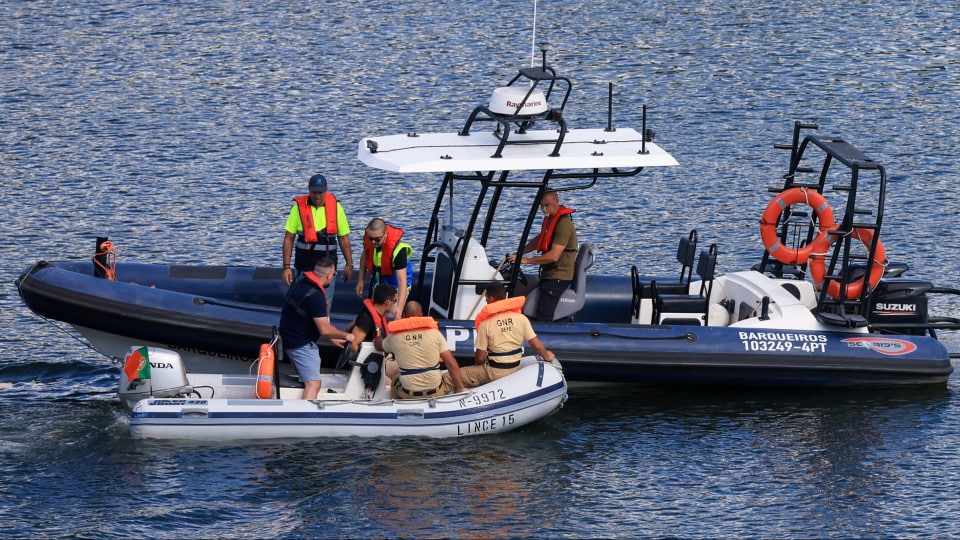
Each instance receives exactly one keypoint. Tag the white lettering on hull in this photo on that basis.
(783, 342)
(486, 425)
(459, 335)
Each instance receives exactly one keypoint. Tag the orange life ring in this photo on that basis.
(768, 223)
(818, 266)
(266, 360)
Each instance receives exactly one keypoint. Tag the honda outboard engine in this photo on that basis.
(899, 302)
(151, 372)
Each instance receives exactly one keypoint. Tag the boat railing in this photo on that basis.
(858, 287)
(534, 76)
(843, 296)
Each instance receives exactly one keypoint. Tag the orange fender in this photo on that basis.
(265, 371)
(768, 223)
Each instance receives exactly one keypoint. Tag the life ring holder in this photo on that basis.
(818, 267)
(768, 223)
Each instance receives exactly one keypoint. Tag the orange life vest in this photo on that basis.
(306, 216)
(547, 227)
(380, 321)
(312, 278)
(514, 304)
(297, 302)
(393, 236)
(412, 323)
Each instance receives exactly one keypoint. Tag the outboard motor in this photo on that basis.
(151, 372)
(899, 302)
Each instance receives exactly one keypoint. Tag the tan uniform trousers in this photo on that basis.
(397, 391)
(479, 375)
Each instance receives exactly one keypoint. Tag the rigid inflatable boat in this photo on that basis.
(822, 305)
(172, 403)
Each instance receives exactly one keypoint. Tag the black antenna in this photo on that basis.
(643, 133)
(610, 108)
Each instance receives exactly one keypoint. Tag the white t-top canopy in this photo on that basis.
(450, 152)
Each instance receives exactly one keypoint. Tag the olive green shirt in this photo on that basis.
(564, 233)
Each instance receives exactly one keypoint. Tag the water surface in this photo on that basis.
(181, 130)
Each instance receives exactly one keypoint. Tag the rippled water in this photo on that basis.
(181, 130)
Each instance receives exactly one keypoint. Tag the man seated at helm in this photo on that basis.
(557, 243)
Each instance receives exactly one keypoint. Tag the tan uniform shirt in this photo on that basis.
(504, 332)
(417, 349)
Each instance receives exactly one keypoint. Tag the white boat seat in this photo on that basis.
(688, 303)
(572, 299)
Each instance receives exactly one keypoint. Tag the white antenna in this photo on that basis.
(533, 42)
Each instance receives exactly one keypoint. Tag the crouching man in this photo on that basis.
(418, 346)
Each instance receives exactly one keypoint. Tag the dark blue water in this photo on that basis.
(181, 130)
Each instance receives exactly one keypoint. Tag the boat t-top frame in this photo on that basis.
(571, 159)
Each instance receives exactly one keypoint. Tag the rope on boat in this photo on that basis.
(108, 255)
(236, 305)
(255, 365)
(430, 401)
(518, 143)
(85, 343)
(594, 333)
(473, 314)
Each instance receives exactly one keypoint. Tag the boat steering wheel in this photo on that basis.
(506, 269)
(347, 355)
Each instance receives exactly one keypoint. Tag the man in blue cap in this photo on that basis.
(316, 226)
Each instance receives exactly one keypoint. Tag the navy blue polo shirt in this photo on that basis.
(298, 329)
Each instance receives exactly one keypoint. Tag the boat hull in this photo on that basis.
(534, 391)
(216, 318)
